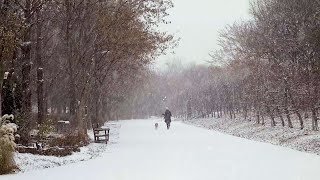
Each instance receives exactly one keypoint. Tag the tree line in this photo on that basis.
(70, 59)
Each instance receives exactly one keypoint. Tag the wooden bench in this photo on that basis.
(101, 133)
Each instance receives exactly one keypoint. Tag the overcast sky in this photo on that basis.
(197, 23)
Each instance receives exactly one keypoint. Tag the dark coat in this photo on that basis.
(167, 116)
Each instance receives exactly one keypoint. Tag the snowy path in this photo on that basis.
(184, 153)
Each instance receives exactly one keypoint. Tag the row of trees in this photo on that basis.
(274, 62)
(267, 70)
(80, 57)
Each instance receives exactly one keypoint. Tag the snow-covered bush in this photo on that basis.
(74, 139)
(7, 144)
(46, 128)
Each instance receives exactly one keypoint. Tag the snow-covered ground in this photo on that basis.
(29, 162)
(304, 140)
(184, 153)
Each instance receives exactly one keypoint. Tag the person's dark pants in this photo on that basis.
(168, 124)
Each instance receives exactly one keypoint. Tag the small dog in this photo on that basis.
(156, 126)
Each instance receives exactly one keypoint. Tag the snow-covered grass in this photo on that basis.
(303, 140)
(28, 162)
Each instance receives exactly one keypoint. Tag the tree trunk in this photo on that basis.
(26, 69)
(286, 111)
(95, 93)
(230, 112)
(26, 64)
(5, 14)
(40, 93)
(280, 116)
(300, 119)
(273, 123)
(245, 112)
(1, 81)
(72, 88)
(296, 110)
(258, 117)
(262, 120)
(314, 120)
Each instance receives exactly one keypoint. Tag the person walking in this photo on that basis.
(167, 117)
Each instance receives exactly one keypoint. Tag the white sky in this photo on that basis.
(197, 23)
